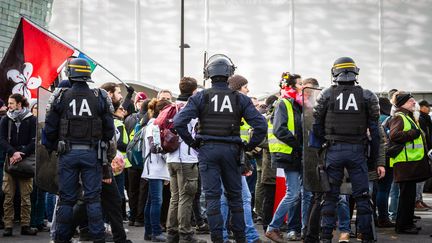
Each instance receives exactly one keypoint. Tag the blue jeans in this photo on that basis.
(251, 233)
(49, 206)
(343, 211)
(152, 211)
(306, 201)
(394, 201)
(287, 205)
(300, 209)
(419, 190)
(383, 192)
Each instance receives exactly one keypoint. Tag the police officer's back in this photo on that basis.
(79, 120)
(343, 114)
(218, 142)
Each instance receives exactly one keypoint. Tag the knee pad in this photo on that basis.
(213, 212)
(237, 210)
(363, 204)
(329, 197)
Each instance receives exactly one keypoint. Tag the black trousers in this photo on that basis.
(313, 227)
(137, 194)
(269, 191)
(405, 213)
(111, 207)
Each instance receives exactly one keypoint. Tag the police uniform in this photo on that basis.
(342, 115)
(78, 119)
(218, 142)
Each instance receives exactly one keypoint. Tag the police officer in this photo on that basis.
(342, 115)
(79, 120)
(220, 110)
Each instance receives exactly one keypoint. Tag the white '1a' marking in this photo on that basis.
(226, 104)
(350, 103)
(85, 108)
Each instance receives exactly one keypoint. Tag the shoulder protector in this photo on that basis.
(107, 100)
(55, 97)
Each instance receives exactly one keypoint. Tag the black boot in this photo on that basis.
(27, 230)
(172, 237)
(190, 238)
(7, 232)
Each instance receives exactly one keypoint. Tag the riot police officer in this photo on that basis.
(342, 115)
(79, 120)
(218, 142)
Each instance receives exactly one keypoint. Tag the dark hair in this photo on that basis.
(19, 98)
(155, 106)
(291, 81)
(144, 106)
(116, 105)
(188, 85)
(110, 87)
(270, 100)
(312, 81)
(423, 103)
(163, 91)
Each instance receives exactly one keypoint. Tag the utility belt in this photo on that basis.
(217, 142)
(66, 146)
(101, 147)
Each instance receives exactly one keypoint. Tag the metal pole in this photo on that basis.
(71, 46)
(138, 39)
(292, 40)
(380, 46)
(80, 24)
(182, 41)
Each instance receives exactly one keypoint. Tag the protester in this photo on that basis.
(164, 94)
(285, 140)
(18, 139)
(119, 164)
(425, 124)
(183, 170)
(411, 164)
(3, 110)
(156, 173)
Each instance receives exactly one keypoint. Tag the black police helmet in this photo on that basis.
(78, 69)
(344, 70)
(219, 65)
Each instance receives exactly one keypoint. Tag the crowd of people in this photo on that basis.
(206, 162)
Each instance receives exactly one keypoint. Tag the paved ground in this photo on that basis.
(384, 235)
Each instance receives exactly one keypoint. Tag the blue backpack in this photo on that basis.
(136, 147)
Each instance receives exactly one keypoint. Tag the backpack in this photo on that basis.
(169, 139)
(136, 146)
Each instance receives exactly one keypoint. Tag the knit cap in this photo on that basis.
(236, 81)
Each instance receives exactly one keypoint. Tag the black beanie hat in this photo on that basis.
(402, 98)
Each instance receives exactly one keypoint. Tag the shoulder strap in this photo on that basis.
(9, 130)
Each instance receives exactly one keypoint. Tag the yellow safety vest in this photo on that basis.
(244, 131)
(125, 139)
(275, 145)
(413, 150)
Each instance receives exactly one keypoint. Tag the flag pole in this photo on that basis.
(70, 45)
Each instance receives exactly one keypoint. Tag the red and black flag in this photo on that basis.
(32, 60)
